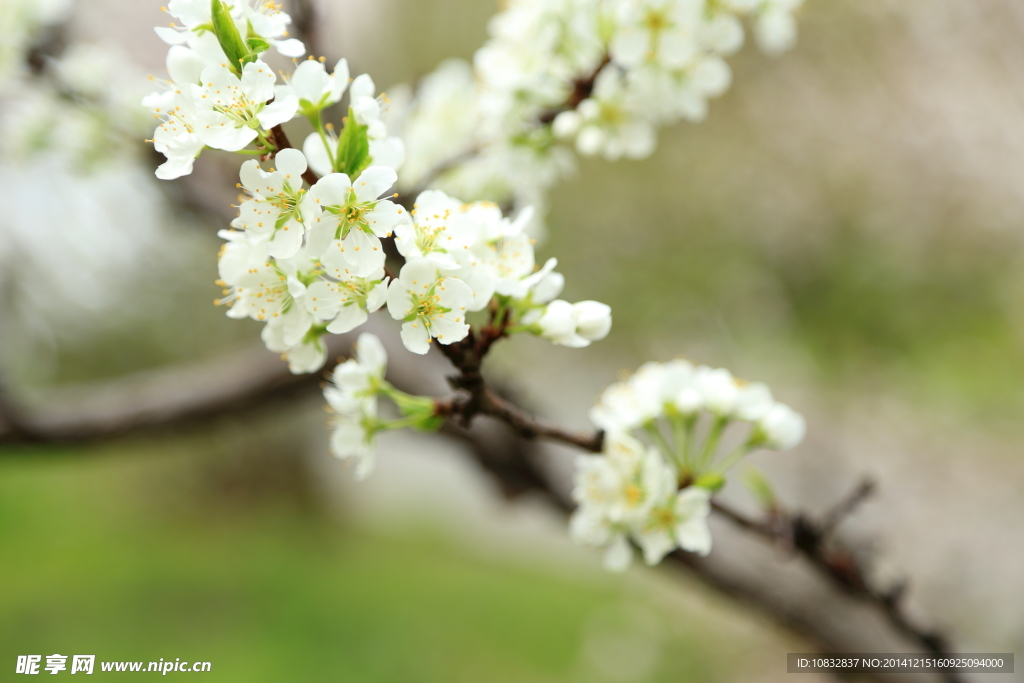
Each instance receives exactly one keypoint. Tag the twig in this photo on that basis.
(582, 88)
(846, 507)
(840, 564)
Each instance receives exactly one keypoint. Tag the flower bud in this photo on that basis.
(781, 428)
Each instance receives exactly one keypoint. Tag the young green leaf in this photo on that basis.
(237, 52)
(353, 148)
(257, 45)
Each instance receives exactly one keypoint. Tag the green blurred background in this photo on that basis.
(846, 226)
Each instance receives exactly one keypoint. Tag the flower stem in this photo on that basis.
(710, 443)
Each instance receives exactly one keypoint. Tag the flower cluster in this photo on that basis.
(599, 76)
(663, 430)
(305, 255)
(308, 253)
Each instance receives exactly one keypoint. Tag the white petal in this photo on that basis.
(384, 217)
(258, 81)
(278, 112)
(220, 132)
(415, 337)
(349, 318)
(372, 353)
(399, 301)
(184, 65)
(290, 47)
(363, 252)
(286, 242)
(619, 555)
(310, 81)
(373, 182)
(290, 162)
(332, 190)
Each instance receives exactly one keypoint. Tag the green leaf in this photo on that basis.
(230, 39)
(257, 45)
(353, 148)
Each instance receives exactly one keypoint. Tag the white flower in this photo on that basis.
(575, 325)
(278, 206)
(239, 106)
(610, 122)
(266, 19)
(431, 306)
(176, 136)
(366, 107)
(177, 108)
(547, 285)
(625, 481)
(775, 27)
(624, 406)
(588, 526)
(352, 219)
(352, 397)
(356, 382)
(754, 401)
(314, 88)
(718, 388)
(722, 33)
(346, 299)
(305, 355)
(616, 493)
(269, 22)
(261, 290)
(439, 227)
(659, 31)
(679, 521)
(781, 428)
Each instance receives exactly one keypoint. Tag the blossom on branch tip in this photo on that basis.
(662, 32)
(680, 521)
(430, 305)
(278, 205)
(575, 325)
(235, 109)
(345, 300)
(352, 397)
(781, 428)
(266, 20)
(314, 88)
(440, 226)
(351, 219)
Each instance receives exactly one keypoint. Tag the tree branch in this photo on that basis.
(796, 531)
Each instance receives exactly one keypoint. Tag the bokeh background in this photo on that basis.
(847, 225)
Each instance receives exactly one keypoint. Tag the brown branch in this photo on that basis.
(182, 396)
(524, 424)
(796, 532)
(582, 88)
(808, 537)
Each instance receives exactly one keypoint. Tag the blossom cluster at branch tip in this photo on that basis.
(664, 427)
(352, 399)
(595, 76)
